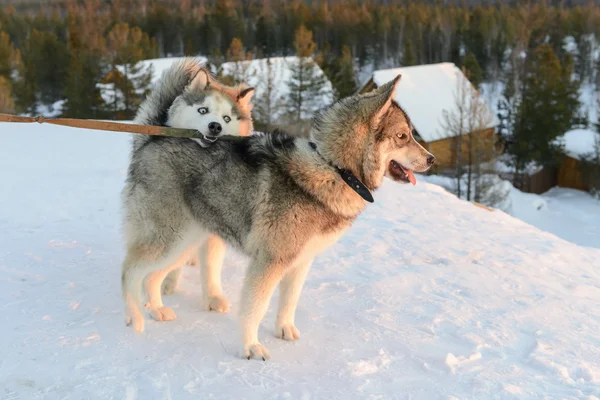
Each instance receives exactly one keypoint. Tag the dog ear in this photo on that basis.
(383, 101)
(199, 82)
(243, 99)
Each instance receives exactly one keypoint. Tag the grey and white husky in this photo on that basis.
(188, 96)
(281, 200)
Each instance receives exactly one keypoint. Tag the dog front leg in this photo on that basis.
(259, 285)
(289, 293)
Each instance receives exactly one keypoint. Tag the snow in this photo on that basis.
(424, 92)
(570, 214)
(255, 73)
(425, 297)
(580, 142)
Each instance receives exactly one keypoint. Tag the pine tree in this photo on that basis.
(25, 86)
(10, 58)
(267, 106)
(548, 107)
(45, 62)
(344, 79)
(128, 78)
(408, 55)
(473, 70)
(235, 53)
(7, 104)
(228, 23)
(8, 53)
(307, 81)
(83, 99)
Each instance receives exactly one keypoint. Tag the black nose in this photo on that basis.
(215, 128)
(430, 160)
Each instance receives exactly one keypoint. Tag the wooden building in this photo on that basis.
(426, 92)
(578, 143)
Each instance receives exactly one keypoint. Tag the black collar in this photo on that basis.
(348, 177)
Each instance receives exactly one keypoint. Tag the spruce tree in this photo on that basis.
(45, 61)
(8, 53)
(344, 80)
(548, 107)
(25, 86)
(473, 70)
(10, 58)
(235, 54)
(83, 99)
(129, 79)
(408, 54)
(307, 82)
(7, 104)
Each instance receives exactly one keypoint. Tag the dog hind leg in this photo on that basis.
(168, 262)
(212, 254)
(172, 279)
(134, 270)
(158, 310)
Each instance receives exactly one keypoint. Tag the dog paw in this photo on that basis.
(163, 313)
(138, 324)
(217, 303)
(287, 332)
(257, 351)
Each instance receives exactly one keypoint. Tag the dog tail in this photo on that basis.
(154, 110)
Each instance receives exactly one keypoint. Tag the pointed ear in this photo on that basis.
(199, 82)
(383, 101)
(245, 96)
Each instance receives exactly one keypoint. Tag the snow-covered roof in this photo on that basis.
(256, 73)
(579, 142)
(424, 92)
(159, 65)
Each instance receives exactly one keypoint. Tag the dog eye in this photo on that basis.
(203, 110)
(227, 118)
(401, 136)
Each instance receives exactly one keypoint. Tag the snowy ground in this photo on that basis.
(426, 297)
(570, 214)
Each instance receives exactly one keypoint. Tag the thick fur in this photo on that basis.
(182, 88)
(271, 196)
(175, 101)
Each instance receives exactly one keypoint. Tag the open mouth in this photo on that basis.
(206, 140)
(399, 173)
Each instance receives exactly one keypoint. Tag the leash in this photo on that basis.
(107, 126)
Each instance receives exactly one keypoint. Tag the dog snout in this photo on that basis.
(430, 160)
(215, 128)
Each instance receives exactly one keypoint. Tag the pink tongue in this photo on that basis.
(411, 177)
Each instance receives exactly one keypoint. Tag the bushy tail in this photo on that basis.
(154, 109)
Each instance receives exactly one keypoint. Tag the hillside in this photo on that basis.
(425, 297)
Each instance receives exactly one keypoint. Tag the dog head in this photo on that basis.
(212, 108)
(372, 136)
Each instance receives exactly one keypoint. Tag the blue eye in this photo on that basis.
(203, 110)
(227, 118)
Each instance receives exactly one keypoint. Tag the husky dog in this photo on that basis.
(281, 200)
(188, 96)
